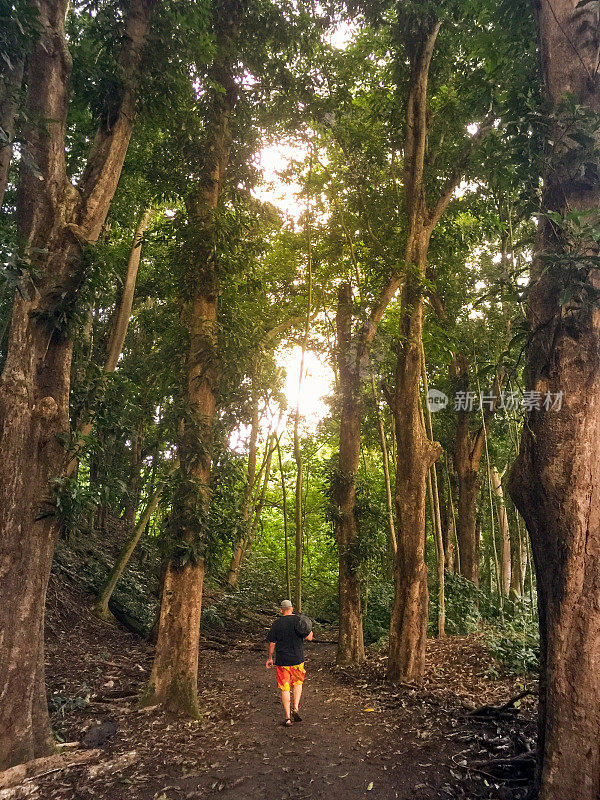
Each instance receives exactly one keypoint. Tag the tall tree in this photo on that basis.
(418, 31)
(553, 481)
(117, 333)
(350, 642)
(230, 102)
(56, 220)
(173, 682)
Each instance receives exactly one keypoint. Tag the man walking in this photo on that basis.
(289, 659)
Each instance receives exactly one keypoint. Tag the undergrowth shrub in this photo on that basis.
(516, 645)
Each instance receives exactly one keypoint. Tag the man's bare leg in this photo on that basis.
(297, 691)
(285, 699)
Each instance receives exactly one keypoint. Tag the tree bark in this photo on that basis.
(386, 470)
(53, 217)
(408, 627)
(350, 642)
(505, 550)
(174, 680)
(468, 542)
(554, 480)
(468, 449)
(121, 322)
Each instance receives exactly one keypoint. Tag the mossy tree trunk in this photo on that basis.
(415, 453)
(54, 218)
(174, 679)
(350, 641)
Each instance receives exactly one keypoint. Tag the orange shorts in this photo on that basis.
(290, 676)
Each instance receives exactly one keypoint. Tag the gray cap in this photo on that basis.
(286, 604)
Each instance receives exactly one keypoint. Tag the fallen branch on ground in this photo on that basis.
(522, 760)
(44, 766)
(17, 780)
(490, 711)
(20, 792)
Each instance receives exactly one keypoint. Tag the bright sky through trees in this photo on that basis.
(318, 377)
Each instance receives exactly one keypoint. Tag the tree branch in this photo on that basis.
(370, 327)
(458, 172)
(416, 118)
(101, 175)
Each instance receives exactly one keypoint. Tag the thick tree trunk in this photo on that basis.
(174, 680)
(554, 480)
(350, 642)
(174, 677)
(416, 454)
(466, 528)
(53, 216)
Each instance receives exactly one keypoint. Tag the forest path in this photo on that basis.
(350, 743)
(360, 737)
(342, 745)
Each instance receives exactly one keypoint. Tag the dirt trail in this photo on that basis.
(360, 737)
(340, 747)
(347, 743)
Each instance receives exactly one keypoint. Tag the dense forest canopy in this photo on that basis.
(300, 299)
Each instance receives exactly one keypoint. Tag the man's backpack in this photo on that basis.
(303, 625)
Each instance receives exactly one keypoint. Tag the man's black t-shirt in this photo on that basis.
(289, 647)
